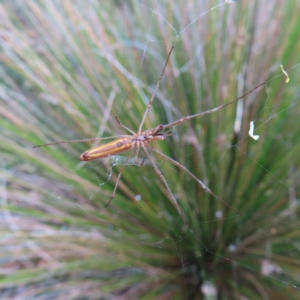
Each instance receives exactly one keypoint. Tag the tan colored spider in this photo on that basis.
(141, 139)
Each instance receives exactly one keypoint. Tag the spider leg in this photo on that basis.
(118, 180)
(122, 125)
(142, 163)
(174, 162)
(138, 147)
(167, 186)
(155, 90)
(213, 109)
(82, 140)
(136, 156)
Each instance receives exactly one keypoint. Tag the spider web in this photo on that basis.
(263, 117)
(216, 148)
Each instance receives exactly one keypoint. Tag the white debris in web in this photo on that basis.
(232, 248)
(285, 73)
(138, 197)
(255, 137)
(209, 290)
(219, 214)
(269, 268)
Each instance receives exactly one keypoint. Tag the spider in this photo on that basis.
(142, 139)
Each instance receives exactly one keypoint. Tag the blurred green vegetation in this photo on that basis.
(68, 68)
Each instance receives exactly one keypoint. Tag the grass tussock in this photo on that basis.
(68, 68)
